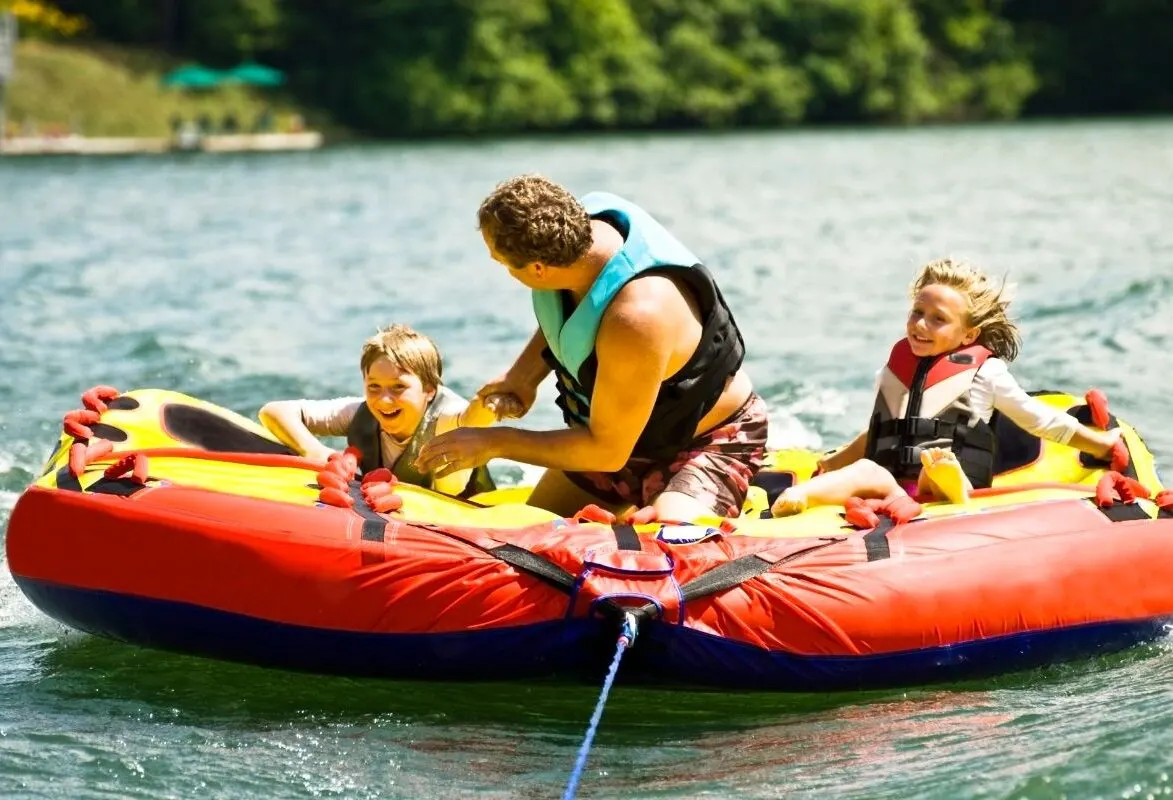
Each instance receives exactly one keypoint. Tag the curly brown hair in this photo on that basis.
(531, 219)
(987, 304)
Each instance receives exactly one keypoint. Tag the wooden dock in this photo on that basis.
(111, 146)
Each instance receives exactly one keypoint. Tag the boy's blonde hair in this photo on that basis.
(985, 303)
(407, 349)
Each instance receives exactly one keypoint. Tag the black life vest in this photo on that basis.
(924, 402)
(365, 434)
(570, 330)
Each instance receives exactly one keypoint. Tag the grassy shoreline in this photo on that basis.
(97, 89)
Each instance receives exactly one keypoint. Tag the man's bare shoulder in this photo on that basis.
(652, 303)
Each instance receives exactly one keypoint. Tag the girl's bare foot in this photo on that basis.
(944, 473)
(792, 501)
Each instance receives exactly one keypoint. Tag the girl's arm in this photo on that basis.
(854, 450)
(1095, 442)
(1036, 417)
(847, 454)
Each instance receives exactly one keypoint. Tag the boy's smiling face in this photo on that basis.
(396, 398)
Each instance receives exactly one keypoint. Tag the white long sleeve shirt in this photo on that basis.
(995, 389)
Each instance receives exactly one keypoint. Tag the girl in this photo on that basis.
(930, 428)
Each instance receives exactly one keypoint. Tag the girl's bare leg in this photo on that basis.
(863, 478)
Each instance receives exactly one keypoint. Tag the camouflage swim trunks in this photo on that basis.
(715, 468)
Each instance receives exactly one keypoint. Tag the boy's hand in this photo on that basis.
(318, 454)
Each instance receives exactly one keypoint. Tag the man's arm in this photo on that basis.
(633, 348)
(512, 394)
(530, 367)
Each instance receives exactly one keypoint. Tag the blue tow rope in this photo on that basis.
(626, 639)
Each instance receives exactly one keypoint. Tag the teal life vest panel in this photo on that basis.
(365, 434)
(570, 330)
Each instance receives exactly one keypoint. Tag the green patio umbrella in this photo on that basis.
(193, 76)
(255, 74)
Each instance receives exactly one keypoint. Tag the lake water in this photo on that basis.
(241, 279)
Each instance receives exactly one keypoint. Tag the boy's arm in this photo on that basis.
(472, 416)
(285, 419)
(476, 415)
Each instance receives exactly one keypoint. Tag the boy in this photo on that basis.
(405, 405)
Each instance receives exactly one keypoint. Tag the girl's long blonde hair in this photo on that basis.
(985, 303)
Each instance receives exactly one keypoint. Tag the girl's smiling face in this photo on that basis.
(939, 321)
(396, 398)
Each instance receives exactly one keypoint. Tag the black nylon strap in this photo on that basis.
(773, 483)
(726, 576)
(1123, 512)
(626, 538)
(67, 480)
(535, 565)
(517, 557)
(875, 541)
(918, 427)
(738, 571)
(120, 487)
(908, 457)
(374, 527)
(917, 389)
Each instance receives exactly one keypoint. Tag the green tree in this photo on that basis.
(1098, 57)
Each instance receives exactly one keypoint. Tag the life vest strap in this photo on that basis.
(899, 459)
(920, 427)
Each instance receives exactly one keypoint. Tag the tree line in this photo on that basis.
(434, 67)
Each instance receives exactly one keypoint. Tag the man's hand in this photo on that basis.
(507, 397)
(463, 448)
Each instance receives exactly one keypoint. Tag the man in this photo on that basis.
(645, 351)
